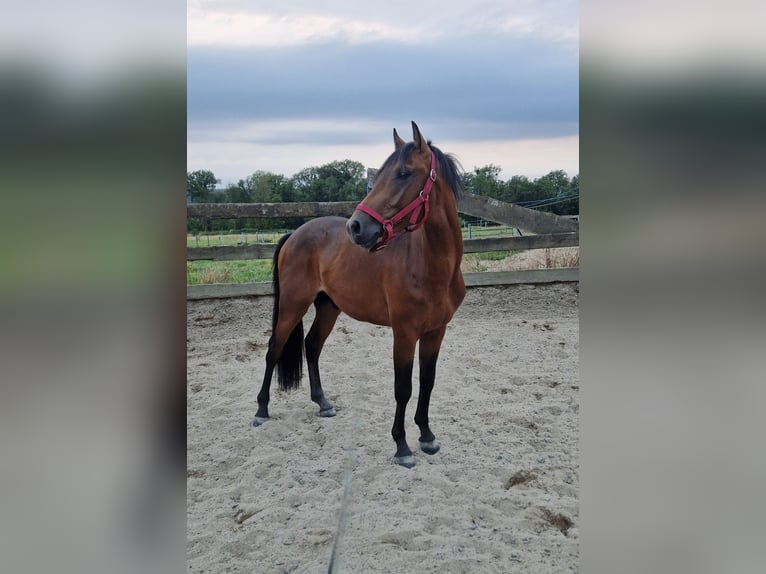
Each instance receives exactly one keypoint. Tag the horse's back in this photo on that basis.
(317, 233)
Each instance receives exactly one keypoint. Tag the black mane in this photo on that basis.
(447, 168)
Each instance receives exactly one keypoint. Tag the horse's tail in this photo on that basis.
(290, 362)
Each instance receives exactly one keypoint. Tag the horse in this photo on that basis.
(395, 262)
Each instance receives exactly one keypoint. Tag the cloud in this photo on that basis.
(281, 87)
(511, 83)
(233, 152)
(263, 29)
(295, 22)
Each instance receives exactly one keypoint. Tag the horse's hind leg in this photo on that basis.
(326, 315)
(262, 415)
(287, 332)
(429, 346)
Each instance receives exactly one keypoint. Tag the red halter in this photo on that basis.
(413, 207)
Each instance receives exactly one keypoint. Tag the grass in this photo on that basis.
(494, 255)
(474, 262)
(259, 270)
(214, 239)
(489, 231)
(566, 257)
(245, 271)
(249, 271)
(548, 258)
(232, 239)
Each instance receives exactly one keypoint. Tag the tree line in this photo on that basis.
(346, 180)
(554, 192)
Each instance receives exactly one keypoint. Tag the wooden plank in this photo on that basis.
(530, 276)
(527, 276)
(241, 210)
(225, 290)
(484, 244)
(266, 251)
(231, 252)
(515, 216)
(476, 205)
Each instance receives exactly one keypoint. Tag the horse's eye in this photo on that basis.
(403, 174)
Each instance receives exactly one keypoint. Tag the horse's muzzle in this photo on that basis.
(364, 230)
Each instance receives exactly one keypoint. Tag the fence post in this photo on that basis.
(469, 230)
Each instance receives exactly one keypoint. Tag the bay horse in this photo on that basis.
(394, 262)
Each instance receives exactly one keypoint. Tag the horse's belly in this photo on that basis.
(367, 309)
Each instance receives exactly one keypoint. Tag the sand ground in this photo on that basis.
(501, 495)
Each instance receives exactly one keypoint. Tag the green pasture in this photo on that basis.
(488, 231)
(246, 271)
(257, 270)
(214, 239)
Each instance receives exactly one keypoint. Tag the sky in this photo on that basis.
(281, 86)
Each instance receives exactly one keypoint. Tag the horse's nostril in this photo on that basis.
(356, 227)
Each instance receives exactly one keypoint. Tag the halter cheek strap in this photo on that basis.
(412, 209)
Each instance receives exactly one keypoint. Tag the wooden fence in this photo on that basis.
(548, 231)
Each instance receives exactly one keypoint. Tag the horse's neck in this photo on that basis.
(443, 225)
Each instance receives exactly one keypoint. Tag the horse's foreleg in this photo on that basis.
(404, 352)
(326, 315)
(430, 343)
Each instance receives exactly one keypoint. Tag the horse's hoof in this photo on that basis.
(258, 421)
(405, 461)
(327, 412)
(430, 447)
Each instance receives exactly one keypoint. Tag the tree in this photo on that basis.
(553, 183)
(303, 184)
(519, 189)
(335, 181)
(270, 187)
(345, 180)
(242, 192)
(200, 185)
(556, 188)
(484, 181)
(571, 206)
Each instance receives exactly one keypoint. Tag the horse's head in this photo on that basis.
(399, 199)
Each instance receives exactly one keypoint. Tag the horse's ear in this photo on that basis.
(398, 142)
(420, 142)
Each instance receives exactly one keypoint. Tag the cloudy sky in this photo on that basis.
(279, 86)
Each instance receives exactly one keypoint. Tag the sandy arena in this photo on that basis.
(501, 495)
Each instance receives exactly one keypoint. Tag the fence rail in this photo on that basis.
(267, 210)
(482, 245)
(488, 279)
(548, 231)
(476, 205)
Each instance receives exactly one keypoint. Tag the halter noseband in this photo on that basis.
(412, 208)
